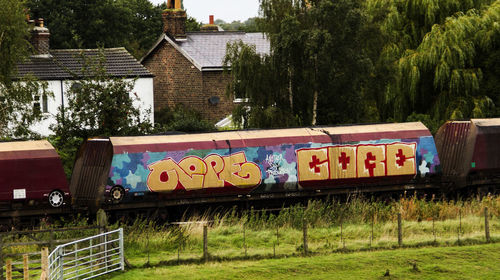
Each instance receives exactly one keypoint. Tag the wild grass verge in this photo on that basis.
(332, 226)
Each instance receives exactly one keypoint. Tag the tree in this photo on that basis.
(437, 59)
(192, 24)
(17, 112)
(317, 66)
(255, 77)
(133, 24)
(98, 105)
(182, 119)
(249, 25)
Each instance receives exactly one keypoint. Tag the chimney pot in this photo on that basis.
(40, 38)
(174, 23)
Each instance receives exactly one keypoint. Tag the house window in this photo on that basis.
(240, 98)
(40, 103)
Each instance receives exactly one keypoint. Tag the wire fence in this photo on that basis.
(198, 241)
(147, 243)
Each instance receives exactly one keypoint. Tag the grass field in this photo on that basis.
(461, 262)
(357, 238)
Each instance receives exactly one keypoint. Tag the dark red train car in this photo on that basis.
(31, 173)
(470, 152)
(257, 163)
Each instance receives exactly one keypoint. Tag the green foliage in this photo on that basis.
(333, 226)
(13, 34)
(182, 119)
(249, 25)
(316, 69)
(134, 24)
(435, 58)
(192, 24)
(17, 112)
(98, 105)
(254, 80)
(67, 146)
(17, 107)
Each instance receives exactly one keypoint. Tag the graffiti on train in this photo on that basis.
(194, 173)
(356, 161)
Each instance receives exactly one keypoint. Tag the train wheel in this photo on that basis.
(56, 198)
(117, 194)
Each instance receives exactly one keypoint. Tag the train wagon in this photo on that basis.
(253, 163)
(470, 151)
(31, 174)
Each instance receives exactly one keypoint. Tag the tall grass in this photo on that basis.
(333, 225)
(355, 223)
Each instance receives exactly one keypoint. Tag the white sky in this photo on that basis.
(227, 10)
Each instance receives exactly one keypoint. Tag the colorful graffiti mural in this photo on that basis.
(349, 162)
(194, 173)
(272, 168)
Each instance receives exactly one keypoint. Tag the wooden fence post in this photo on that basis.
(51, 240)
(205, 242)
(277, 236)
(433, 229)
(459, 224)
(342, 233)
(371, 237)
(400, 230)
(8, 269)
(147, 242)
(304, 231)
(26, 267)
(486, 225)
(244, 239)
(45, 264)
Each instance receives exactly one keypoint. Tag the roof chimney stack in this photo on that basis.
(210, 27)
(174, 20)
(40, 38)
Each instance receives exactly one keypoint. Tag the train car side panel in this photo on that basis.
(31, 170)
(305, 158)
(485, 163)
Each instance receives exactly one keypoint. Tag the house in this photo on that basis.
(188, 66)
(61, 69)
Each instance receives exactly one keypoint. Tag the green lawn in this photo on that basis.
(462, 262)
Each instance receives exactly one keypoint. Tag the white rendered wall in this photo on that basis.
(143, 89)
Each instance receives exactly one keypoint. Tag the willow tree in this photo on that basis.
(435, 57)
(316, 68)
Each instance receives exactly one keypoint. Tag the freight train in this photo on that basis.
(127, 173)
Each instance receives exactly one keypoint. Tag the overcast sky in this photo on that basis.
(227, 10)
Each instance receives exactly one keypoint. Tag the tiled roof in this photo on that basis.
(206, 50)
(209, 48)
(67, 64)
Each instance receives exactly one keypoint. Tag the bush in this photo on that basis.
(181, 118)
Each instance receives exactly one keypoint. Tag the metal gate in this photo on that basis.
(88, 258)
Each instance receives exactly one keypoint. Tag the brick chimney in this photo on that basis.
(174, 20)
(210, 27)
(40, 38)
